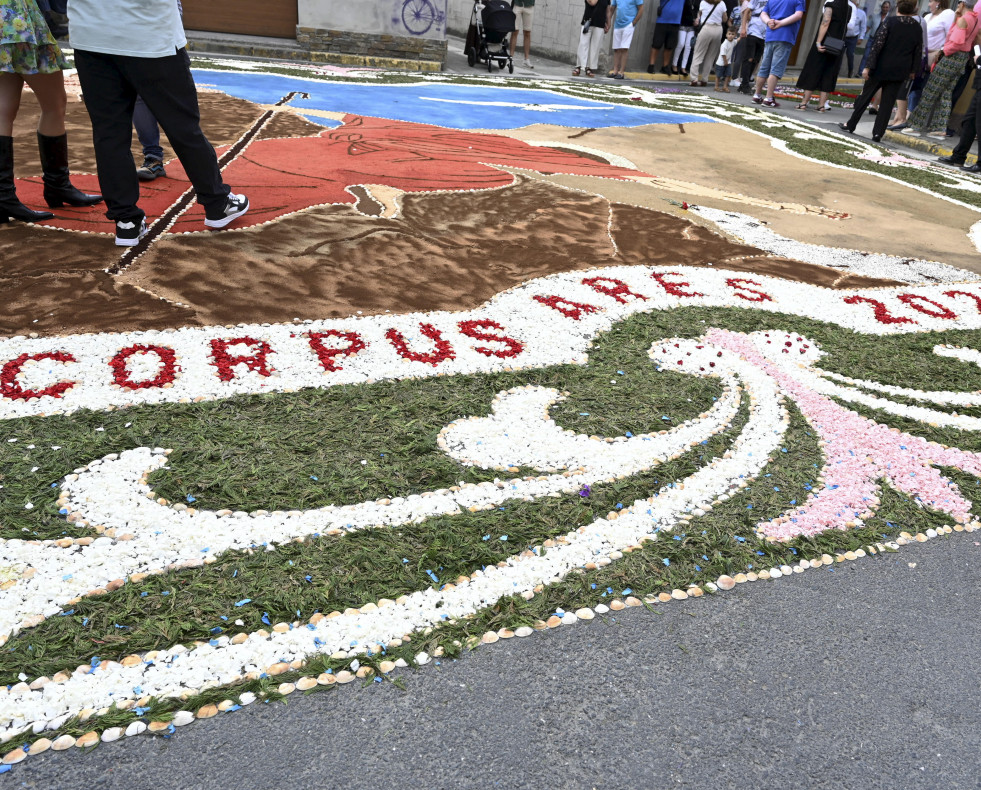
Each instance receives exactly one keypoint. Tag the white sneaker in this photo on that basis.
(735, 83)
(528, 64)
(128, 234)
(235, 207)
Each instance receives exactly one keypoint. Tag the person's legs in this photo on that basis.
(871, 86)
(11, 89)
(582, 54)
(526, 37)
(763, 74)
(701, 53)
(778, 65)
(933, 109)
(969, 131)
(50, 92)
(890, 90)
(654, 60)
(595, 45)
(147, 131)
(754, 50)
(109, 99)
(167, 87)
(850, 43)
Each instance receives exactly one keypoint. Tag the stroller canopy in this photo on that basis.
(498, 17)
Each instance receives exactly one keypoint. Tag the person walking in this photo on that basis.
(128, 48)
(596, 18)
(629, 13)
(29, 54)
(823, 64)
(896, 52)
(667, 28)
(854, 34)
(782, 19)
(686, 40)
(933, 109)
(524, 12)
(711, 17)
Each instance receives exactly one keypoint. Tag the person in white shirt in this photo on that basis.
(711, 17)
(938, 22)
(129, 48)
(752, 31)
(723, 66)
(854, 34)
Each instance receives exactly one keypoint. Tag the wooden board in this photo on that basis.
(277, 18)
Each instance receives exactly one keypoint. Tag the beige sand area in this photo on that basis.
(700, 165)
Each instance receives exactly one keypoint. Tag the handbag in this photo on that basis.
(833, 46)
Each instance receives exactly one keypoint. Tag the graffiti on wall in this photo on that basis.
(420, 17)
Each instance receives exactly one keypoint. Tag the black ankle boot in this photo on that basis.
(10, 206)
(58, 189)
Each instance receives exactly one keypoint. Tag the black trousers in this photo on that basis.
(110, 85)
(890, 90)
(969, 130)
(752, 52)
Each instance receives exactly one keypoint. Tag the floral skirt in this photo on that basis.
(22, 58)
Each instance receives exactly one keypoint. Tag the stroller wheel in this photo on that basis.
(471, 56)
(510, 67)
(490, 63)
(501, 64)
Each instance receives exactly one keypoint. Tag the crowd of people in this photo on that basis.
(131, 58)
(914, 67)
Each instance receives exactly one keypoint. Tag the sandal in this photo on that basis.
(823, 109)
(576, 71)
(590, 73)
(801, 107)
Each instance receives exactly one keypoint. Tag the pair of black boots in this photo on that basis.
(58, 189)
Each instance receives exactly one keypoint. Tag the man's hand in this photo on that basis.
(865, 73)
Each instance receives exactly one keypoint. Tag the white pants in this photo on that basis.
(590, 43)
(683, 50)
(707, 47)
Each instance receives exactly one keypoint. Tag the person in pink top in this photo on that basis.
(932, 113)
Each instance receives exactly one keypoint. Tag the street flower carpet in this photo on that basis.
(486, 358)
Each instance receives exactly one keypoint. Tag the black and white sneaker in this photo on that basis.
(128, 234)
(235, 207)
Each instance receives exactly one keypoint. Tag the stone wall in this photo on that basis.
(382, 45)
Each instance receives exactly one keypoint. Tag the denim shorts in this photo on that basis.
(722, 72)
(775, 57)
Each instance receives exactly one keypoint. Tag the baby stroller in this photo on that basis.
(491, 22)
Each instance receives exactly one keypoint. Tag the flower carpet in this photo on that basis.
(486, 358)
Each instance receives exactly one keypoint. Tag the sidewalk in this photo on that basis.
(922, 147)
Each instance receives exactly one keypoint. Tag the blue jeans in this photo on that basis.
(775, 57)
(147, 131)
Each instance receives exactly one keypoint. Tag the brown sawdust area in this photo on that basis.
(885, 216)
(443, 252)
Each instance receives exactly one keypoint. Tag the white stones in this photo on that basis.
(112, 734)
(523, 631)
(725, 582)
(585, 614)
(135, 728)
(63, 742)
(182, 718)
(246, 698)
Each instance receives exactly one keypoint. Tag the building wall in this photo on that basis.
(410, 18)
(555, 31)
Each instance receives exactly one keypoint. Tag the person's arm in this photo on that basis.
(609, 17)
(747, 14)
(878, 42)
(823, 30)
(640, 13)
(863, 26)
(794, 17)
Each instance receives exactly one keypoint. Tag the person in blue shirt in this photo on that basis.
(782, 19)
(628, 15)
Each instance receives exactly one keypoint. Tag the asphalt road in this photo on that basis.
(864, 677)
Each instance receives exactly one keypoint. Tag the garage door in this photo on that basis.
(276, 18)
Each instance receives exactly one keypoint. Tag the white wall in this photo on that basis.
(423, 18)
(555, 30)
